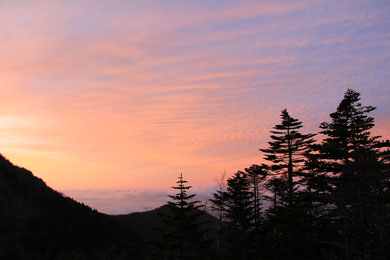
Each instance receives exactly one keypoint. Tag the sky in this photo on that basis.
(109, 101)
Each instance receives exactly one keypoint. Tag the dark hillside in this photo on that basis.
(37, 222)
(145, 223)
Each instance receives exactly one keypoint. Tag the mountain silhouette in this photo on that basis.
(37, 222)
(146, 224)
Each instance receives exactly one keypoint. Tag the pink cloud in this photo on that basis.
(95, 98)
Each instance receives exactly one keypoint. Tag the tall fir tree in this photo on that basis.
(286, 153)
(240, 204)
(238, 216)
(285, 227)
(184, 235)
(354, 164)
(257, 176)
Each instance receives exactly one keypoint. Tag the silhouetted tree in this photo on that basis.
(239, 214)
(354, 164)
(184, 234)
(257, 176)
(286, 153)
(286, 227)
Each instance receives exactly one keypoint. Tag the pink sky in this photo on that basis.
(100, 97)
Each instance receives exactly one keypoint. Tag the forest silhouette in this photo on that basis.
(322, 195)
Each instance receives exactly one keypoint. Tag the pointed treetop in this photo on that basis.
(350, 114)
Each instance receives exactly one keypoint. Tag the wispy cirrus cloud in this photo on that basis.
(126, 95)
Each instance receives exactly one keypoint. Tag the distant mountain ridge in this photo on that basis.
(145, 223)
(37, 222)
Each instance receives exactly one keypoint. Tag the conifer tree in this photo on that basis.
(240, 205)
(285, 226)
(286, 152)
(184, 235)
(354, 164)
(257, 176)
(239, 212)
